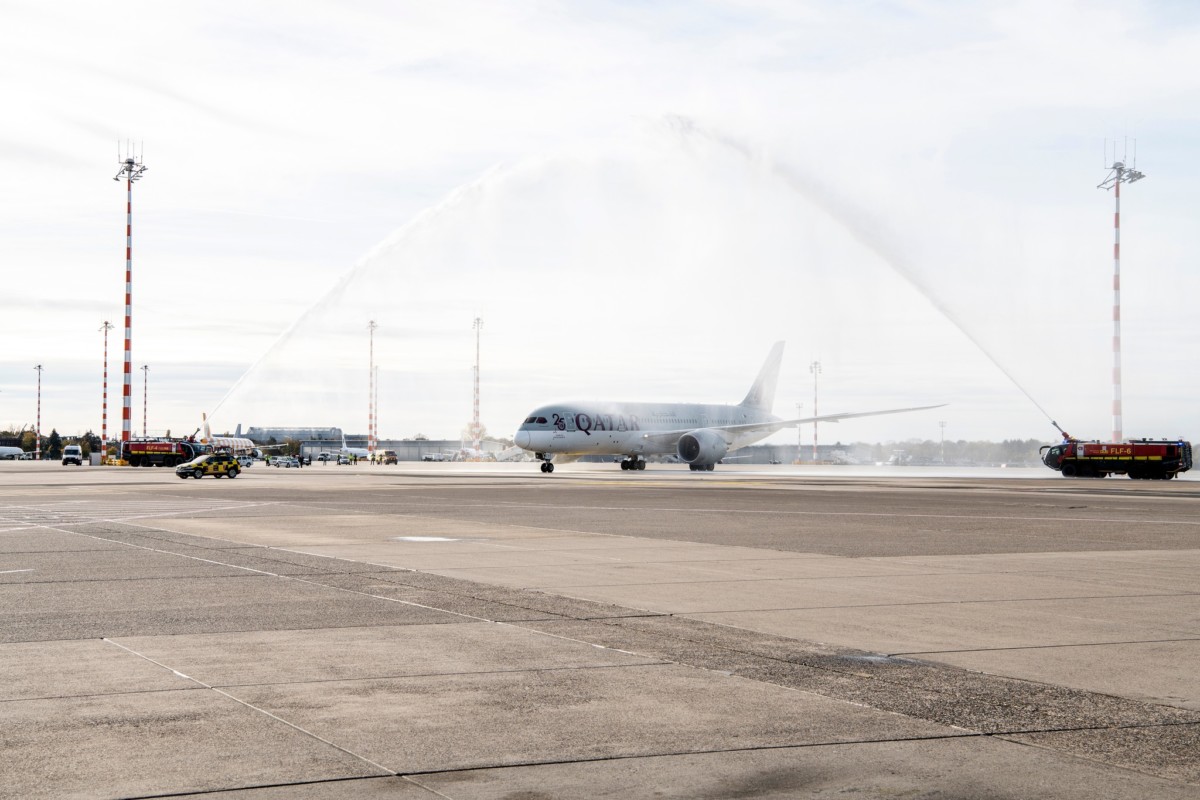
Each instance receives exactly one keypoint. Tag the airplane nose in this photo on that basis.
(522, 439)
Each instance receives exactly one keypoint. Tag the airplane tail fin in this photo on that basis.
(762, 393)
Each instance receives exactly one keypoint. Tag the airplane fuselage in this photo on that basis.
(630, 429)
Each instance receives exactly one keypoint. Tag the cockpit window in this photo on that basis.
(541, 420)
(530, 419)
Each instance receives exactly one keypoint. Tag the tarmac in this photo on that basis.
(428, 631)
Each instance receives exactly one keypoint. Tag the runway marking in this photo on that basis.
(11, 571)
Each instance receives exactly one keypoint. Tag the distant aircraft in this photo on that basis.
(238, 445)
(700, 435)
(358, 452)
(11, 453)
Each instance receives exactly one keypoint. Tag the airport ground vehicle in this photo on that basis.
(387, 457)
(343, 459)
(72, 454)
(1152, 459)
(215, 464)
(160, 452)
(285, 461)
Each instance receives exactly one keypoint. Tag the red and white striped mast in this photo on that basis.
(1119, 173)
(476, 426)
(145, 399)
(37, 433)
(106, 327)
(371, 326)
(131, 169)
(815, 369)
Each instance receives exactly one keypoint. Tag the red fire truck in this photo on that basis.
(1157, 459)
(160, 452)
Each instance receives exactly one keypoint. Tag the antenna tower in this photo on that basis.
(131, 170)
(1118, 173)
(476, 427)
(371, 326)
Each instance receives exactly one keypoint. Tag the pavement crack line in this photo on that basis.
(251, 706)
(1043, 647)
(896, 605)
(256, 786)
(692, 752)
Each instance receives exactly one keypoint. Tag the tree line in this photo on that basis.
(51, 443)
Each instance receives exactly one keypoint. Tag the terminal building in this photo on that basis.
(314, 441)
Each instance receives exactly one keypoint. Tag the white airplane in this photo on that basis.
(700, 435)
(11, 453)
(359, 452)
(236, 444)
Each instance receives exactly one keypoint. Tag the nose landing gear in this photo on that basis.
(545, 459)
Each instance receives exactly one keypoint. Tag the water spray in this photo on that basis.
(866, 230)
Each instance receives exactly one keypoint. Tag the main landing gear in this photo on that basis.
(633, 463)
(702, 467)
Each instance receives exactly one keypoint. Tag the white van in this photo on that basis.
(73, 454)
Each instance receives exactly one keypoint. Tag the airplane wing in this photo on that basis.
(767, 428)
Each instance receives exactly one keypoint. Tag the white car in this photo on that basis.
(72, 454)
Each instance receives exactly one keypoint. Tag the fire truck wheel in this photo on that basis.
(1068, 470)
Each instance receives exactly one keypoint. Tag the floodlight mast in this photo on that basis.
(145, 399)
(37, 433)
(815, 369)
(476, 425)
(1118, 173)
(106, 327)
(371, 326)
(131, 170)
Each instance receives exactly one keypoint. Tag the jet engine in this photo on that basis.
(702, 447)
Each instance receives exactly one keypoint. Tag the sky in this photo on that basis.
(637, 199)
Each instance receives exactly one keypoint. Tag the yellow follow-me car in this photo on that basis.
(215, 464)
